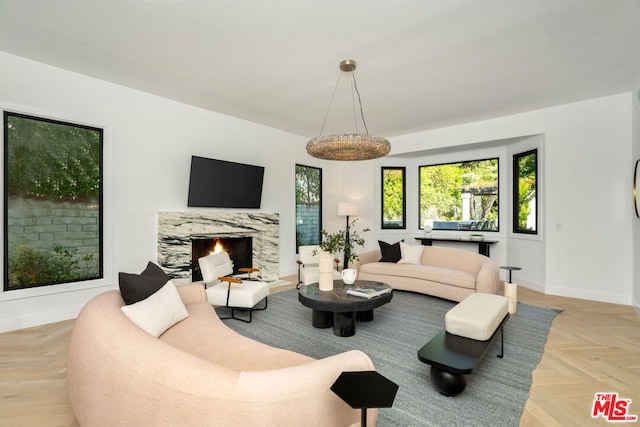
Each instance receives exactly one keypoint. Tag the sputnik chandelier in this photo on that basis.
(348, 146)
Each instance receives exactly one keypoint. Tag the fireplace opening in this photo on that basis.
(240, 250)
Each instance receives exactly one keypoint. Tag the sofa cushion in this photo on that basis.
(390, 252)
(477, 316)
(136, 287)
(424, 272)
(410, 254)
(158, 312)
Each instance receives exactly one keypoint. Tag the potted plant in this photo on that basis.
(342, 241)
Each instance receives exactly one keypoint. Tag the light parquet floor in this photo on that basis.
(592, 347)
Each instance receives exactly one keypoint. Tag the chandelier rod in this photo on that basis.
(355, 85)
(324, 122)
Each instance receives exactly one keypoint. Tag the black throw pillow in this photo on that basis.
(136, 287)
(390, 253)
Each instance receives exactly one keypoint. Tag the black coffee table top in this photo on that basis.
(337, 300)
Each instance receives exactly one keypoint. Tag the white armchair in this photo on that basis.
(236, 294)
(308, 265)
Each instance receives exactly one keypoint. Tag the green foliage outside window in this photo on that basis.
(53, 201)
(393, 198)
(52, 161)
(525, 175)
(444, 187)
(308, 181)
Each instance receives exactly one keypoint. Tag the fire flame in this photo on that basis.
(217, 248)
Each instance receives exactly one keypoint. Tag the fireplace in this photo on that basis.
(177, 230)
(240, 250)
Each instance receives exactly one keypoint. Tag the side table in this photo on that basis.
(511, 289)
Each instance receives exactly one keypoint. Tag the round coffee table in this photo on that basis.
(338, 309)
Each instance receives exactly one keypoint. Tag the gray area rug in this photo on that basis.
(496, 392)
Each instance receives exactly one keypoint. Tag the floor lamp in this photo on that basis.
(347, 209)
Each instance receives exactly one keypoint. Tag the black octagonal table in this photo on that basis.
(340, 310)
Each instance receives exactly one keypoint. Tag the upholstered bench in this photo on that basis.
(470, 328)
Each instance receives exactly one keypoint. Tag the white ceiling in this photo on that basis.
(422, 64)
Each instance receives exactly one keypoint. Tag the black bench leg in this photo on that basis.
(501, 355)
(447, 383)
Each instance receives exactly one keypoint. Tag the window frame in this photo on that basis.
(421, 220)
(320, 197)
(403, 169)
(100, 276)
(516, 193)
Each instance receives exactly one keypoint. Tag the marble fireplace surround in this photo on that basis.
(177, 229)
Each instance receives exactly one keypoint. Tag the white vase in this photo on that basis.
(325, 271)
(349, 276)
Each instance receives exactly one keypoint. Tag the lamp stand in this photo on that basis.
(347, 238)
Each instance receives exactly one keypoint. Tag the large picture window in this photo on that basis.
(460, 196)
(53, 210)
(525, 192)
(308, 205)
(393, 198)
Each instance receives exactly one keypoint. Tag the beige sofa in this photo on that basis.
(199, 372)
(443, 272)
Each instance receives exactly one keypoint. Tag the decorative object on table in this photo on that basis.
(636, 188)
(338, 242)
(325, 270)
(476, 237)
(308, 259)
(427, 228)
(349, 275)
(347, 209)
(367, 293)
(511, 289)
(348, 146)
(365, 389)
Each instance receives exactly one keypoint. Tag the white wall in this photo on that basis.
(587, 208)
(149, 142)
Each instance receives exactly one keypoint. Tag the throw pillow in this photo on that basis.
(158, 312)
(410, 254)
(136, 287)
(390, 253)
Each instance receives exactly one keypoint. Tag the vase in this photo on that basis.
(349, 276)
(325, 271)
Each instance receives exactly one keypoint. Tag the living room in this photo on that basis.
(589, 240)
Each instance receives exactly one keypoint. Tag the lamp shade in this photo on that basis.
(347, 209)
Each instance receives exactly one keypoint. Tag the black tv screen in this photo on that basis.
(221, 184)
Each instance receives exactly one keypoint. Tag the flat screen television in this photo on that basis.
(222, 184)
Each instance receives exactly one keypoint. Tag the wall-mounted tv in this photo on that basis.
(222, 184)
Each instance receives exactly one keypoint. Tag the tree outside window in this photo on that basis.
(393, 198)
(308, 205)
(460, 196)
(525, 192)
(52, 202)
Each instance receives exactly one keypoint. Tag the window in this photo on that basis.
(308, 205)
(460, 196)
(525, 192)
(53, 210)
(393, 198)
